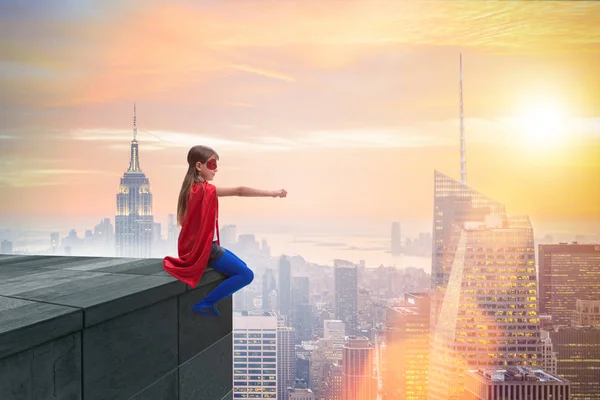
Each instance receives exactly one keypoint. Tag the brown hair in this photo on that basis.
(196, 153)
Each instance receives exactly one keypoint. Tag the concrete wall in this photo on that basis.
(108, 328)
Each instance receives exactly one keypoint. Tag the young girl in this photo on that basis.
(199, 243)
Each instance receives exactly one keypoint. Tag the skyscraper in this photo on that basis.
(284, 282)
(578, 359)
(357, 369)
(407, 348)
(255, 354)
(302, 315)
(104, 237)
(54, 242)
(336, 331)
(286, 360)
(268, 285)
(134, 220)
(567, 272)
(333, 381)
(515, 384)
(172, 233)
(228, 235)
(489, 315)
(484, 309)
(345, 276)
(455, 203)
(549, 356)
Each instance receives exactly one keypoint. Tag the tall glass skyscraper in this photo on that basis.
(454, 203)
(488, 316)
(406, 354)
(134, 219)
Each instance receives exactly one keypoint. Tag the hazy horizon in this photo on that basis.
(309, 225)
(317, 243)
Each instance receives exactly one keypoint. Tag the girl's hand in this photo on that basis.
(280, 193)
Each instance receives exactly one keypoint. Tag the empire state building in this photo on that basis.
(134, 219)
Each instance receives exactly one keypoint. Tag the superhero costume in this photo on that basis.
(195, 241)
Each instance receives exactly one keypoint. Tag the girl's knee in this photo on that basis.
(244, 271)
(249, 275)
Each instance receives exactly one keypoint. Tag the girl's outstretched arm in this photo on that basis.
(243, 191)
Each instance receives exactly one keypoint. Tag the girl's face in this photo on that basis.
(207, 170)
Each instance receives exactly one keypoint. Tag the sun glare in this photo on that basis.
(542, 126)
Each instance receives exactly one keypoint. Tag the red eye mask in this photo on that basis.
(211, 164)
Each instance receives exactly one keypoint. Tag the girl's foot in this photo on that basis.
(208, 310)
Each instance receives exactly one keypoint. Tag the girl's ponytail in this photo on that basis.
(184, 194)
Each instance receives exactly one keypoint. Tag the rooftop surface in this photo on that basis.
(512, 375)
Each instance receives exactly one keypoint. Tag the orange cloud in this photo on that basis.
(263, 72)
(150, 50)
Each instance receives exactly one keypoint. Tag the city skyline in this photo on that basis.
(129, 193)
(310, 112)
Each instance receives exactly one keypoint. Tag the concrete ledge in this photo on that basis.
(228, 396)
(120, 328)
(25, 324)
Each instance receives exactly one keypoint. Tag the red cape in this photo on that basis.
(196, 237)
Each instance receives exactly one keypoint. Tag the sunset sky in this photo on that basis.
(349, 105)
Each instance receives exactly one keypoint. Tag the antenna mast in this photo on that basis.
(134, 124)
(463, 150)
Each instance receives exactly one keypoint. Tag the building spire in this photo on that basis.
(134, 124)
(134, 161)
(463, 150)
